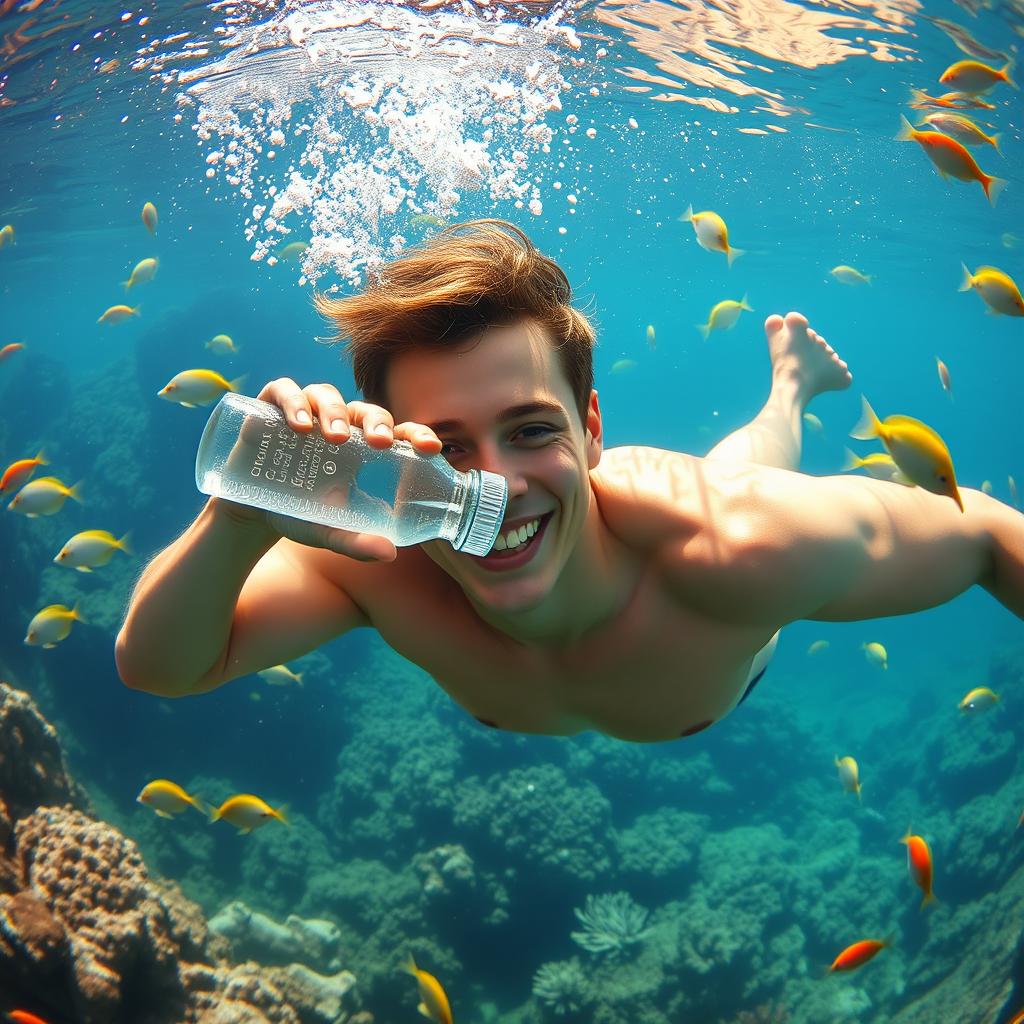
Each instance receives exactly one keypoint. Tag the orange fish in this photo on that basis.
(919, 861)
(951, 159)
(18, 472)
(972, 76)
(9, 350)
(921, 100)
(858, 954)
(1018, 1018)
(24, 1017)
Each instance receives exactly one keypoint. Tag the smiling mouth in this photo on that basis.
(521, 550)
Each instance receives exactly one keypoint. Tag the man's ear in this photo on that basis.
(594, 431)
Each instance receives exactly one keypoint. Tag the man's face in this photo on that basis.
(545, 453)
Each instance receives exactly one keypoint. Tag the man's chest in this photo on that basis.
(654, 672)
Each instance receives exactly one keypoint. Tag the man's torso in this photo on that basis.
(662, 667)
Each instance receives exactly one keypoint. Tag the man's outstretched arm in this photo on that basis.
(844, 548)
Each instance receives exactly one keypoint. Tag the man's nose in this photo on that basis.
(494, 459)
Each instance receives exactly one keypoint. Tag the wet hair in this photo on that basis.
(448, 291)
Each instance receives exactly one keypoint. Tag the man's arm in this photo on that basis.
(782, 546)
(228, 597)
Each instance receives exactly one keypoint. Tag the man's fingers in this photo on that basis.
(330, 409)
(376, 423)
(421, 437)
(364, 547)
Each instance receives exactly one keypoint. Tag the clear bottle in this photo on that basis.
(249, 454)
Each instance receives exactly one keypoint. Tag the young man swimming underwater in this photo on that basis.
(643, 589)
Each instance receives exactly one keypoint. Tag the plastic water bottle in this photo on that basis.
(249, 454)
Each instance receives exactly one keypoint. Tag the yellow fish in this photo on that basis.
(247, 812)
(723, 316)
(623, 365)
(813, 423)
(711, 232)
(961, 128)
(951, 159)
(149, 217)
(144, 271)
(986, 486)
(650, 337)
(90, 549)
(817, 647)
(980, 698)
(115, 314)
(222, 345)
(280, 675)
(433, 1001)
(292, 251)
(6, 235)
(878, 466)
(51, 625)
(848, 775)
(918, 450)
(998, 290)
(944, 380)
(44, 497)
(848, 275)
(876, 654)
(167, 799)
(972, 76)
(197, 387)
(1009, 240)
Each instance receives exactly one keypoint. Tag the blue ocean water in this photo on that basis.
(755, 866)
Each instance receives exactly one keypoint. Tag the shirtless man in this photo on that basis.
(648, 602)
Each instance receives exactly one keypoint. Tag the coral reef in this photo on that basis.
(611, 922)
(561, 986)
(86, 934)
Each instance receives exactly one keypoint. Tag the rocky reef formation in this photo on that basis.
(87, 935)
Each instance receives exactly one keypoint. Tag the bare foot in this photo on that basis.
(802, 357)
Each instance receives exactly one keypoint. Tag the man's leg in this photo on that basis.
(803, 366)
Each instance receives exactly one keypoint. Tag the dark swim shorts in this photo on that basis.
(753, 682)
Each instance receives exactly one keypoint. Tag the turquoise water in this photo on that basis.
(755, 867)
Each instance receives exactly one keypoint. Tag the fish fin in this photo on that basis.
(906, 132)
(869, 424)
(76, 492)
(41, 458)
(281, 813)
(859, 800)
(705, 330)
(125, 544)
(1005, 72)
(298, 679)
(424, 1011)
(207, 810)
(688, 216)
(47, 647)
(993, 186)
(409, 965)
(164, 814)
(899, 477)
(189, 405)
(237, 383)
(994, 142)
(853, 461)
(83, 568)
(76, 614)
(743, 302)
(967, 283)
(731, 254)
(929, 897)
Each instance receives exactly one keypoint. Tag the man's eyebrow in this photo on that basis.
(511, 413)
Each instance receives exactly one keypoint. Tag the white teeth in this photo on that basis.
(516, 537)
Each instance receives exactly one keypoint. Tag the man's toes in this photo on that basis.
(773, 324)
(796, 321)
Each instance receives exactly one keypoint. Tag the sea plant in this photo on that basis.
(610, 922)
(561, 985)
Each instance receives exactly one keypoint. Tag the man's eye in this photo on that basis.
(536, 426)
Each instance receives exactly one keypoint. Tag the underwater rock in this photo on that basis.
(256, 936)
(32, 769)
(87, 935)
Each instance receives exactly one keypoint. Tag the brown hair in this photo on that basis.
(470, 276)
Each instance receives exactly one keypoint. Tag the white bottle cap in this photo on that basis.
(490, 509)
